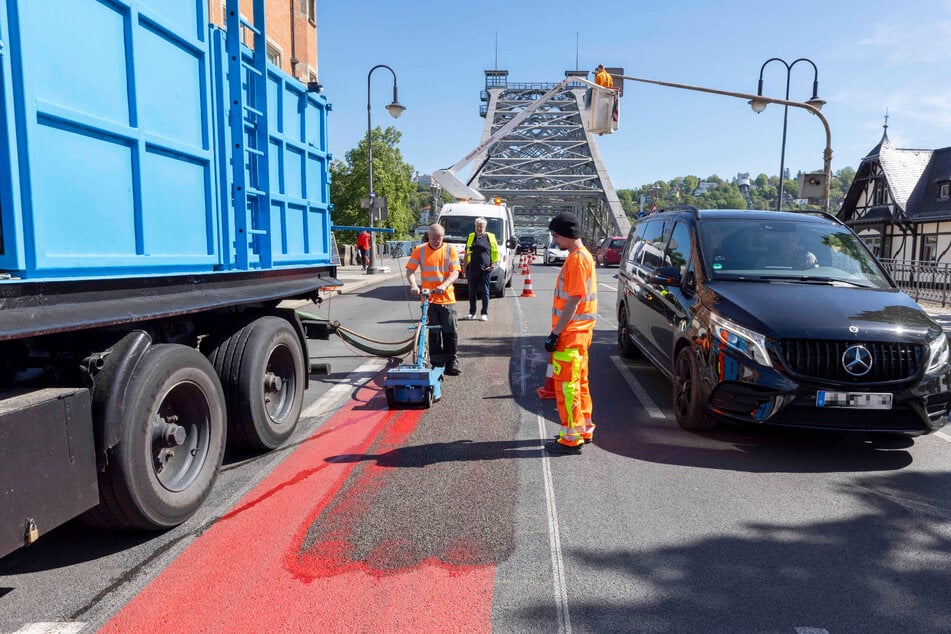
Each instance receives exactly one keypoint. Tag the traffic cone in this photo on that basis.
(525, 264)
(548, 390)
(527, 290)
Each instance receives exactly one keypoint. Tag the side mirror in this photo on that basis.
(512, 243)
(665, 276)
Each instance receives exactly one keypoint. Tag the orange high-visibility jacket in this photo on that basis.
(604, 78)
(577, 279)
(434, 268)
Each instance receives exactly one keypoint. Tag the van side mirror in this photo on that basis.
(512, 243)
(665, 276)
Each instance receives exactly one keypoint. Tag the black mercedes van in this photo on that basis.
(778, 318)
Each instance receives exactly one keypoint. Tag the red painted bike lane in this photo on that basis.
(290, 555)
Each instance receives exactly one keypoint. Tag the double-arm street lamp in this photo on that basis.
(759, 103)
(759, 106)
(395, 109)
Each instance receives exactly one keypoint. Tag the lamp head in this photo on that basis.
(395, 109)
(758, 105)
(816, 103)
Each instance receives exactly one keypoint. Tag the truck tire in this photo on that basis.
(171, 442)
(262, 370)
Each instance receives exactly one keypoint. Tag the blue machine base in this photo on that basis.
(413, 385)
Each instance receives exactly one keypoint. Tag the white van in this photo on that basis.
(458, 219)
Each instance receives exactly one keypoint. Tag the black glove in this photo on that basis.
(551, 342)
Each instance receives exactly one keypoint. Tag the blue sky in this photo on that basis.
(871, 56)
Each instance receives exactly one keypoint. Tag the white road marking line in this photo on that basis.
(339, 393)
(51, 628)
(641, 394)
(943, 436)
(554, 536)
(613, 288)
(559, 581)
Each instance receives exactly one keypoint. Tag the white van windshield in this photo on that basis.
(458, 228)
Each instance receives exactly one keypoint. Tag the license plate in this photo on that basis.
(854, 400)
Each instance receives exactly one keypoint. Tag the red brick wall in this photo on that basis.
(279, 17)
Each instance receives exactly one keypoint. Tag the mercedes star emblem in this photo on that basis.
(857, 360)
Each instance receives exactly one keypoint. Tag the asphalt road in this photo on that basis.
(453, 519)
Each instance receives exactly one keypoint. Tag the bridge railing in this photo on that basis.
(922, 280)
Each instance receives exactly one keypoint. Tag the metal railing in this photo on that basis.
(922, 280)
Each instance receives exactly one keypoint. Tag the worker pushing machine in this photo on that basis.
(438, 266)
(574, 311)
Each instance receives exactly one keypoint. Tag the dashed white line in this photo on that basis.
(339, 393)
(62, 627)
(943, 436)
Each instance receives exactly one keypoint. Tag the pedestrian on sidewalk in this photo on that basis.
(574, 311)
(364, 242)
(438, 266)
(482, 256)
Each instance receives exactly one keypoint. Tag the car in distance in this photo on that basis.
(609, 251)
(778, 318)
(553, 253)
(527, 244)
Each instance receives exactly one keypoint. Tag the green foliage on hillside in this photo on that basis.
(720, 194)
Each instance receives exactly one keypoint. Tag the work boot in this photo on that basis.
(586, 439)
(453, 370)
(555, 447)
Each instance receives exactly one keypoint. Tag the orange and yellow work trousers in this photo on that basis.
(569, 364)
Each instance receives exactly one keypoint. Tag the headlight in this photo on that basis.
(938, 354)
(745, 341)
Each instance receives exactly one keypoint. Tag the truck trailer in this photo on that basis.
(164, 194)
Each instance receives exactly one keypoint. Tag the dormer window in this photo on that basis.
(944, 190)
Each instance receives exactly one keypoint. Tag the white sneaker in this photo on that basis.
(483, 318)
(469, 317)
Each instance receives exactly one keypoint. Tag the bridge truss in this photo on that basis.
(549, 163)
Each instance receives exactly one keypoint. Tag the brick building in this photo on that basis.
(291, 33)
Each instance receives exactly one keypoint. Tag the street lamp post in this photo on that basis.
(759, 103)
(395, 109)
(814, 101)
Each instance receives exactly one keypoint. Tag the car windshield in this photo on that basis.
(458, 228)
(787, 249)
(617, 243)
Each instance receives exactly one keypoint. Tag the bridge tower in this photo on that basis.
(549, 163)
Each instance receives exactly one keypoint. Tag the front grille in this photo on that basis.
(822, 360)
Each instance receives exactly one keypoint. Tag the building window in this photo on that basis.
(273, 54)
(944, 191)
(929, 248)
(880, 197)
(309, 8)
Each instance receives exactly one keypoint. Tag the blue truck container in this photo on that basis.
(163, 191)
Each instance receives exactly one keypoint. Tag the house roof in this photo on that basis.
(925, 201)
(904, 170)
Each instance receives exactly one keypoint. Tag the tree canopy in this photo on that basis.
(392, 178)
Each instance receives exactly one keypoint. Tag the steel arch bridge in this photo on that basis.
(549, 163)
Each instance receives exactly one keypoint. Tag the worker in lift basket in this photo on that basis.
(603, 77)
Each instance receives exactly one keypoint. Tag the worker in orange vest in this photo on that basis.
(574, 312)
(439, 267)
(603, 77)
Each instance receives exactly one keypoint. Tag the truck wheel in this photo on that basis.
(170, 445)
(262, 370)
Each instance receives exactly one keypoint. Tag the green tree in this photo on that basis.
(392, 177)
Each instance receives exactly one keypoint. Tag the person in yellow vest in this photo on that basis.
(438, 266)
(482, 256)
(603, 77)
(574, 312)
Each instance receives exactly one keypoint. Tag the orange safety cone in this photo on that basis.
(524, 264)
(527, 290)
(548, 390)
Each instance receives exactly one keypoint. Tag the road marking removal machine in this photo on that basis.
(416, 383)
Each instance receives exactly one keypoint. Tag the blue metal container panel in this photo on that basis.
(113, 160)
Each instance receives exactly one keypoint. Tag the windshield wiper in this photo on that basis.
(815, 279)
